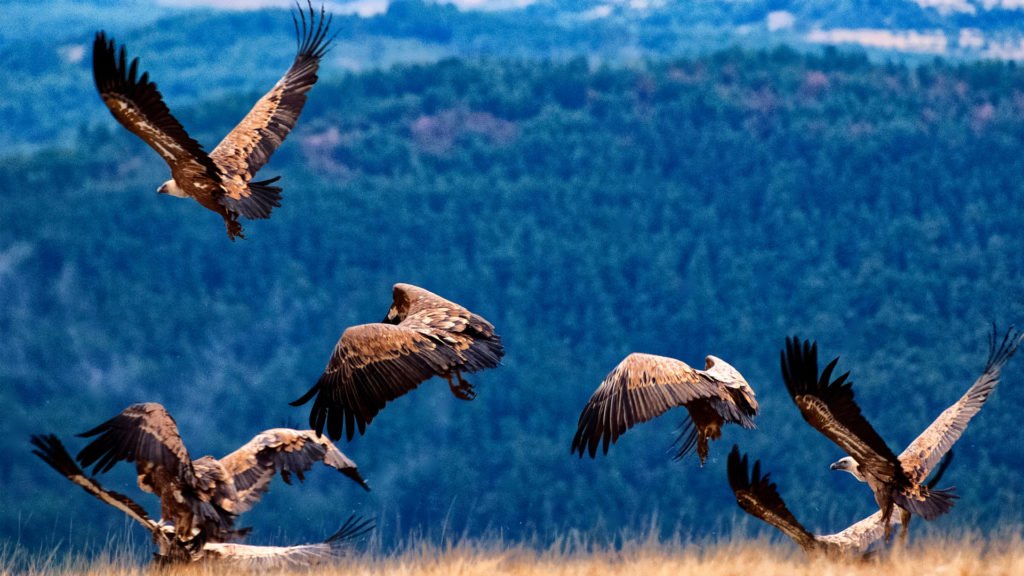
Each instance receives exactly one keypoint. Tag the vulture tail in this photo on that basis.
(931, 505)
(263, 199)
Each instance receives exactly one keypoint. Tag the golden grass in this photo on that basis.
(936, 556)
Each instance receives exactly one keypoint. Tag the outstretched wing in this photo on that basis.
(373, 364)
(285, 451)
(250, 144)
(143, 433)
(758, 496)
(50, 449)
(139, 107)
(926, 450)
(640, 388)
(829, 407)
(290, 557)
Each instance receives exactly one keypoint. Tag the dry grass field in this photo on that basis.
(953, 557)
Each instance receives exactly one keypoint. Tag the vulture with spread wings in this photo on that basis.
(171, 550)
(829, 406)
(644, 386)
(931, 445)
(422, 336)
(221, 181)
(203, 497)
(758, 496)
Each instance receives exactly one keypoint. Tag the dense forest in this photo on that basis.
(687, 207)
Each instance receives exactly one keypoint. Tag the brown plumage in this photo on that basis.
(170, 550)
(758, 496)
(285, 451)
(422, 336)
(644, 386)
(936, 441)
(828, 405)
(222, 180)
(203, 497)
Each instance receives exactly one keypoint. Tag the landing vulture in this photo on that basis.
(170, 550)
(222, 180)
(759, 497)
(422, 336)
(203, 497)
(930, 446)
(644, 386)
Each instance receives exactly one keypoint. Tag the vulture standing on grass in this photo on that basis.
(202, 497)
(644, 386)
(422, 336)
(222, 180)
(170, 550)
(828, 405)
(759, 497)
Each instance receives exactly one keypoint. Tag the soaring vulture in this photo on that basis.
(930, 446)
(643, 386)
(222, 180)
(203, 497)
(829, 407)
(170, 550)
(759, 497)
(422, 336)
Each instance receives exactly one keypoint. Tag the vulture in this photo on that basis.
(170, 550)
(643, 386)
(221, 180)
(203, 497)
(829, 406)
(759, 497)
(938, 439)
(422, 336)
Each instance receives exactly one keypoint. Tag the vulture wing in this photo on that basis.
(139, 107)
(829, 407)
(758, 496)
(142, 433)
(640, 388)
(50, 449)
(926, 450)
(373, 364)
(290, 452)
(250, 144)
(290, 557)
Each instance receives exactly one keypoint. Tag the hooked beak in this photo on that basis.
(162, 189)
(836, 466)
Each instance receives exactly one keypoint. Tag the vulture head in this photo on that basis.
(171, 188)
(848, 464)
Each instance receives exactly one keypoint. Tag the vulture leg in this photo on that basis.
(234, 228)
(702, 445)
(886, 506)
(462, 391)
(904, 525)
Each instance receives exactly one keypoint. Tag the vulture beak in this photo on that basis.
(835, 466)
(162, 189)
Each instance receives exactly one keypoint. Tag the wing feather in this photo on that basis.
(285, 451)
(758, 496)
(371, 365)
(50, 449)
(141, 433)
(248, 146)
(829, 407)
(640, 388)
(139, 107)
(928, 448)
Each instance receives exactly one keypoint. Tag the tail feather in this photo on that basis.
(262, 200)
(934, 503)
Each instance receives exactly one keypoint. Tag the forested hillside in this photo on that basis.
(689, 207)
